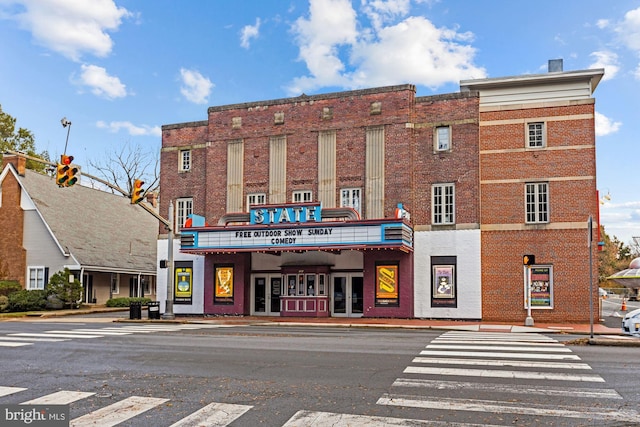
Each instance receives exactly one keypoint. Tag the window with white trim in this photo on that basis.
(184, 208)
(184, 160)
(443, 204)
(115, 283)
(442, 138)
(350, 198)
(256, 199)
(303, 196)
(36, 277)
(537, 202)
(536, 135)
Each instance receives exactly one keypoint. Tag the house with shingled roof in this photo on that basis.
(105, 241)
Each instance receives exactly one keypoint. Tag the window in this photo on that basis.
(350, 198)
(537, 202)
(443, 199)
(302, 196)
(185, 160)
(536, 135)
(36, 279)
(115, 283)
(256, 199)
(184, 208)
(443, 138)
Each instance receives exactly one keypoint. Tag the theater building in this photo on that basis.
(381, 203)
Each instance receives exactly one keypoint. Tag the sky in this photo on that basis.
(120, 69)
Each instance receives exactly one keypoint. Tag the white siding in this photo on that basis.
(463, 244)
(197, 305)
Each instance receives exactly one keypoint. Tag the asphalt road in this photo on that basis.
(286, 376)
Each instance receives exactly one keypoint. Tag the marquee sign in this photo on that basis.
(308, 236)
(308, 212)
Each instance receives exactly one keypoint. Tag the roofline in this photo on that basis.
(594, 75)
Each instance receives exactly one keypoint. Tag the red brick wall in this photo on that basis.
(13, 256)
(562, 242)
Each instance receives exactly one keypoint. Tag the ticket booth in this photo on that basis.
(306, 293)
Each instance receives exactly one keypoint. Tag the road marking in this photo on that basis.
(118, 412)
(546, 390)
(499, 337)
(213, 415)
(83, 333)
(330, 419)
(514, 363)
(561, 349)
(62, 397)
(496, 355)
(101, 332)
(32, 339)
(448, 404)
(5, 391)
(45, 335)
(489, 373)
(14, 344)
(497, 342)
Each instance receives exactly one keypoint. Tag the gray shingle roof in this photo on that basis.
(101, 230)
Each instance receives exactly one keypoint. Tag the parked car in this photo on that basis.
(631, 323)
(602, 292)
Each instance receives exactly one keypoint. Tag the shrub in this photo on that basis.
(8, 287)
(4, 303)
(25, 300)
(125, 301)
(68, 293)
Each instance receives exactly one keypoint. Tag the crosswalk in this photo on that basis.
(21, 339)
(456, 370)
(499, 378)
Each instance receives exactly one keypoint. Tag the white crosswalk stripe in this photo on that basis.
(59, 398)
(213, 415)
(459, 362)
(330, 419)
(20, 339)
(118, 412)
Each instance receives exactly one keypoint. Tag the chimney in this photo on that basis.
(152, 199)
(555, 65)
(19, 163)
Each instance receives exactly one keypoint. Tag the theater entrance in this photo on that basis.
(266, 295)
(347, 295)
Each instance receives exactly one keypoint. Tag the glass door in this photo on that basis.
(266, 294)
(347, 295)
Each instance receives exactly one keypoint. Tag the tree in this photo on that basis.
(122, 167)
(67, 291)
(19, 140)
(615, 256)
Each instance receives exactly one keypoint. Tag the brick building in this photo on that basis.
(379, 203)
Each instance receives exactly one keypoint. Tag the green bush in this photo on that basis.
(4, 303)
(69, 293)
(125, 301)
(25, 300)
(8, 287)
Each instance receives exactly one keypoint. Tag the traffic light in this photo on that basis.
(72, 177)
(62, 171)
(528, 259)
(137, 192)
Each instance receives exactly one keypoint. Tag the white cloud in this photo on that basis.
(249, 32)
(132, 129)
(602, 23)
(636, 72)
(70, 27)
(607, 60)
(339, 51)
(605, 126)
(629, 30)
(195, 87)
(101, 83)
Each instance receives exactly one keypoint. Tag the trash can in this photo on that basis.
(135, 310)
(154, 309)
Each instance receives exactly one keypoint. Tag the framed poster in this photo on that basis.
(541, 277)
(443, 282)
(387, 285)
(183, 282)
(223, 284)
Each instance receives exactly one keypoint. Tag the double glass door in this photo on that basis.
(266, 294)
(347, 295)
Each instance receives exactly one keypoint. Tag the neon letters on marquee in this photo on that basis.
(286, 214)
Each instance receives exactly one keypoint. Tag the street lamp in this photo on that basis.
(66, 123)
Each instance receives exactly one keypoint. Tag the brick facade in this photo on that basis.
(13, 256)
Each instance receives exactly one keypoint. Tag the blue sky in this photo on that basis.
(120, 69)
